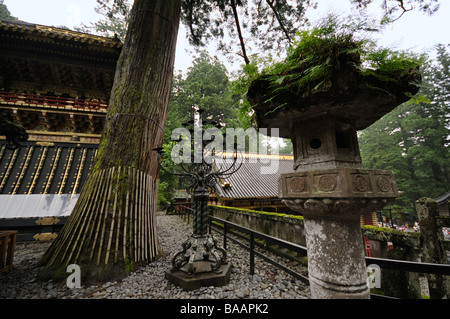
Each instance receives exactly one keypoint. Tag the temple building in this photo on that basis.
(255, 184)
(56, 84)
(443, 203)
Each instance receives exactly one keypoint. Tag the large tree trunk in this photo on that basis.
(112, 229)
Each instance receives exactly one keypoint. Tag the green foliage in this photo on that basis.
(413, 139)
(4, 12)
(389, 65)
(405, 238)
(239, 87)
(308, 59)
(164, 193)
(206, 86)
(309, 62)
(320, 53)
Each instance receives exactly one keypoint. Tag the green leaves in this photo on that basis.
(413, 140)
(4, 12)
(329, 54)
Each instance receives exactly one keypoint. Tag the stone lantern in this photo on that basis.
(329, 186)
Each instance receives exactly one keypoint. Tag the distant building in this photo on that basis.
(255, 184)
(443, 203)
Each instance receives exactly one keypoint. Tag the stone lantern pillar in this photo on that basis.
(329, 186)
(331, 190)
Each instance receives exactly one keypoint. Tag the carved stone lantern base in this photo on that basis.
(339, 183)
(331, 202)
(331, 190)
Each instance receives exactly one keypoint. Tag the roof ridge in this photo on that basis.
(23, 26)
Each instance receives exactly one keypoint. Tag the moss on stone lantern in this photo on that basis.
(325, 72)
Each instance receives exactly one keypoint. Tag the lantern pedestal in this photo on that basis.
(203, 277)
(331, 202)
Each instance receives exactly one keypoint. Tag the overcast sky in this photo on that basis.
(415, 30)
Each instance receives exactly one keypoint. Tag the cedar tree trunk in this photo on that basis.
(112, 229)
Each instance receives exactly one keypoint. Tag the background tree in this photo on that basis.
(414, 139)
(114, 23)
(4, 12)
(205, 86)
(394, 9)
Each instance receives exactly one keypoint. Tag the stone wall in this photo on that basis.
(291, 228)
(283, 226)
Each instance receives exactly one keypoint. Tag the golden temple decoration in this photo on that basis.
(46, 221)
(45, 236)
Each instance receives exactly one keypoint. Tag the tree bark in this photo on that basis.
(432, 250)
(112, 229)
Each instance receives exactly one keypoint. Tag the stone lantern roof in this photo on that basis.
(348, 93)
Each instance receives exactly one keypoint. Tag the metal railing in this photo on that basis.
(253, 236)
(411, 266)
(184, 210)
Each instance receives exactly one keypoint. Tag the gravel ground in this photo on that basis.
(149, 282)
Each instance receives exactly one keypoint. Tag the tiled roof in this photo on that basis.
(57, 60)
(45, 168)
(26, 28)
(443, 198)
(256, 178)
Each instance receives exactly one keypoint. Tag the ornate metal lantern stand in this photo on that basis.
(201, 261)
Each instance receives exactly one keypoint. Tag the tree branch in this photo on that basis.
(402, 6)
(238, 26)
(277, 16)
